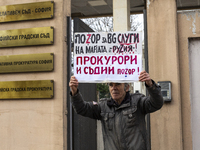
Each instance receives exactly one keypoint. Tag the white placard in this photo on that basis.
(107, 57)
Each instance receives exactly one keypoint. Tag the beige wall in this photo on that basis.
(38, 124)
(166, 124)
(169, 32)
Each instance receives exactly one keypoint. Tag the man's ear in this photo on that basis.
(127, 88)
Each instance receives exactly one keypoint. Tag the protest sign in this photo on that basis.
(107, 57)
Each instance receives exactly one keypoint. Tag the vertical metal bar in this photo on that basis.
(69, 106)
(147, 70)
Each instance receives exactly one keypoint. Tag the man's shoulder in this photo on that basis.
(103, 102)
(135, 97)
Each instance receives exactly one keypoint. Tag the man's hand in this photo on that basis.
(145, 77)
(73, 84)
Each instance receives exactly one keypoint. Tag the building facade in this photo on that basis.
(37, 123)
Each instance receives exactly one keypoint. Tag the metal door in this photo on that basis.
(83, 129)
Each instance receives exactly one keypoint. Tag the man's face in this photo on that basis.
(118, 91)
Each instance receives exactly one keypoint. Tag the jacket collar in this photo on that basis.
(124, 103)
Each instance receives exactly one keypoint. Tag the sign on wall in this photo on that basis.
(26, 63)
(26, 89)
(29, 11)
(26, 37)
(104, 57)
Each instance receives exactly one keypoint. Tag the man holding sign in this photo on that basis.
(122, 115)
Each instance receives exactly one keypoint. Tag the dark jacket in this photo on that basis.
(123, 127)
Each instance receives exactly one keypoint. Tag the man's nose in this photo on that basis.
(114, 86)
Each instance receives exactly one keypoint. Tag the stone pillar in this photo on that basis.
(166, 124)
(121, 22)
(121, 15)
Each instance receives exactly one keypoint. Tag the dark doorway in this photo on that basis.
(83, 130)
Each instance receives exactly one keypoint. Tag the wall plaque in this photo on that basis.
(26, 63)
(29, 11)
(26, 37)
(26, 89)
